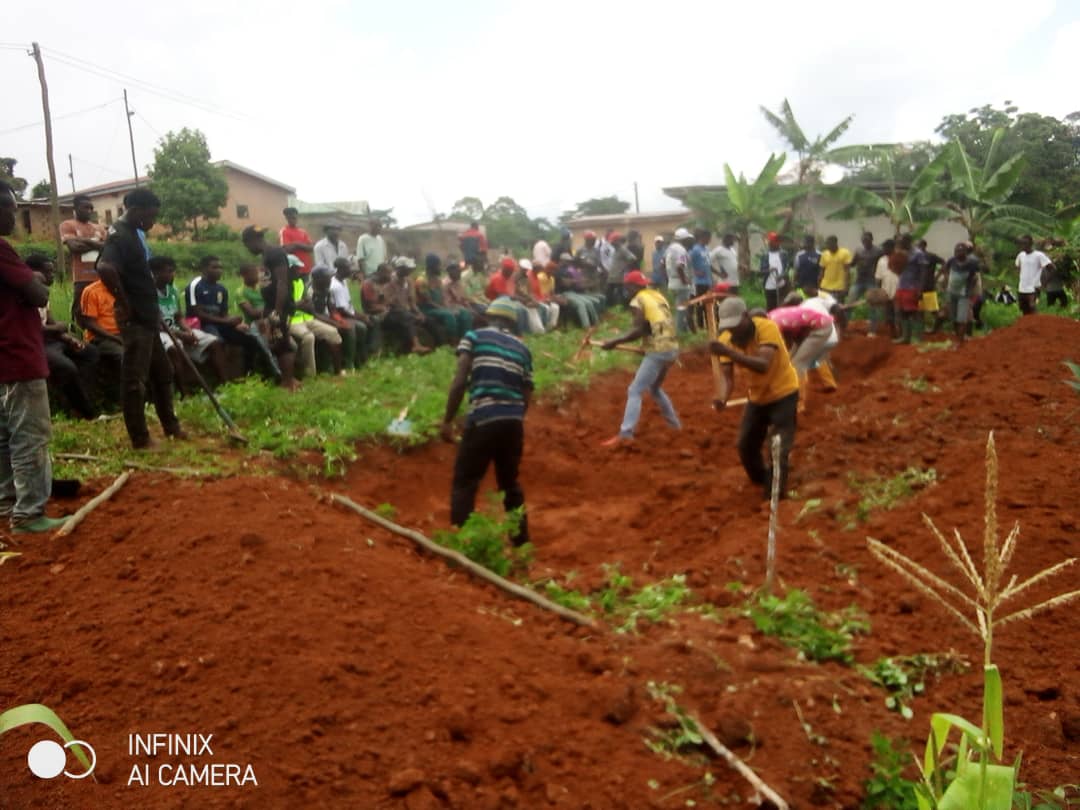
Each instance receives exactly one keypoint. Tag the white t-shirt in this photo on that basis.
(340, 297)
(370, 252)
(776, 270)
(888, 280)
(725, 258)
(1031, 266)
(675, 257)
(823, 303)
(541, 254)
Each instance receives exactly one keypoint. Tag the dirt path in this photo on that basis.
(349, 670)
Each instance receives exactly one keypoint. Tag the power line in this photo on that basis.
(59, 117)
(152, 127)
(149, 87)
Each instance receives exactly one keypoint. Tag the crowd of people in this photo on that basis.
(292, 305)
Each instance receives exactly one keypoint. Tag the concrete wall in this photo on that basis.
(35, 221)
(264, 203)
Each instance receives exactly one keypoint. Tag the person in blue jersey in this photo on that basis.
(495, 367)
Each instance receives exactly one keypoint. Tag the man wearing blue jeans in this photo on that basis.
(25, 424)
(655, 326)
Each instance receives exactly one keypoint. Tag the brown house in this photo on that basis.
(254, 199)
(35, 218)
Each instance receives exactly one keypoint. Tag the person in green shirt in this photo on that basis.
(252, 306)
(198, 345)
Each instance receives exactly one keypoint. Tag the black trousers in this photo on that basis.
(499, 442)
(146, 365)
(772, 299)
(70, 370)
(699, 310)
(753, 431)
(1058, 297)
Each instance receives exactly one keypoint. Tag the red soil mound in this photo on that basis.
(351, 671)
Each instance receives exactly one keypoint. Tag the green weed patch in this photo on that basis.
(797, 621)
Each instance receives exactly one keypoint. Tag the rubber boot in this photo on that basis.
(905, 331)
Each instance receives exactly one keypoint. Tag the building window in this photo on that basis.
(108, 216)
(242, 211)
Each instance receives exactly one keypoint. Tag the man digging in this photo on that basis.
(655, 327)
(755, 343)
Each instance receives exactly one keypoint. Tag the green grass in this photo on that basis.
(328, 416)
(878, 492)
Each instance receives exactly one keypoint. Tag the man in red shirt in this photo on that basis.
(25, 425)
(295, 240)
(84, 240)
(474, 247)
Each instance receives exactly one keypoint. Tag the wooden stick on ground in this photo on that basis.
(76, 457)
(93, 504)
(138, 465)
(459, 559)
(738, 765)
(774, 511)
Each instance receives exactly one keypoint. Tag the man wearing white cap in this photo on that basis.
(677, 267)
(755, 344)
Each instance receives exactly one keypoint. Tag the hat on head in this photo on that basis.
(635, 278)
(682, 233)
(404, 261)
(721, 288)
(525, 265)
(772, 236)
(508, 263)
(658, 238)
(590, 235)
(502, 307)
(730, 313)
(615, 236)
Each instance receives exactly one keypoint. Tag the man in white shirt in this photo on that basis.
(330, 248)
(371, 249)
(1031, 264)
(680, 283)
(725, 264)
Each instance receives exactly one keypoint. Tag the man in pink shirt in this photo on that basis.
(810, 328)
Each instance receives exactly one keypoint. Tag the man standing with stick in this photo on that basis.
(655, 327)
(125, 269)
(496, 368)
(757, 345)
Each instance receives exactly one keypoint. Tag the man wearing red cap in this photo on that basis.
(655, 327)
(775, 265)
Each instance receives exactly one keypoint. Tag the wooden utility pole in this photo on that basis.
(54, 201)
(131, 139)
(71, 173)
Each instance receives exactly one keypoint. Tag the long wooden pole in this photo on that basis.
(461, 560)
(54, 200)
(738, 765)
(93, 504)
(710, 325)
(774, 510)
(131, 139)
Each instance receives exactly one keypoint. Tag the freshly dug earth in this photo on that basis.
(352, 671)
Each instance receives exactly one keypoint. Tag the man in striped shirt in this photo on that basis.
(496, 368)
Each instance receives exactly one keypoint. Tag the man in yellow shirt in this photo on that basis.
(655, 326)
(835, 270)
(773, 399)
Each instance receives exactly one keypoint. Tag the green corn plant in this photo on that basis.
(37, 713)
(1074, 383)
(980, 780)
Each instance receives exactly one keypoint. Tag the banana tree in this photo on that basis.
(978, 196)
(747, 206)
(910, 208)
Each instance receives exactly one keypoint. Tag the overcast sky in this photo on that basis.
(412, 105)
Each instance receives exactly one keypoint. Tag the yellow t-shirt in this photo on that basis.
(780, 379)
(835, 265)
(657, 312)
(298, 290)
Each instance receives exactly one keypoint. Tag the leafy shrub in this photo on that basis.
(903, 677)
(483, 540)
(796, 621)
(887, 788)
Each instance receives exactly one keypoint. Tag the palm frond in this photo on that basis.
(836, 133)
(1000, 184)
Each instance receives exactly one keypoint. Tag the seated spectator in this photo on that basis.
(501, 285)
(198, 345)
(307, 329)
(72, 364)
(457, 296)
(98, 318)
(453, 322)
(316, 302)
(523, 294)
(207, 300)
(570, 285)
(474, 284)
(403, 317)
(355, 327)
(542, 285)
(252, 306)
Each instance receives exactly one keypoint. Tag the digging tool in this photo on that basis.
(710, 326)
(234, 431)
(402, 426)
(583, 348)
(622, 347)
